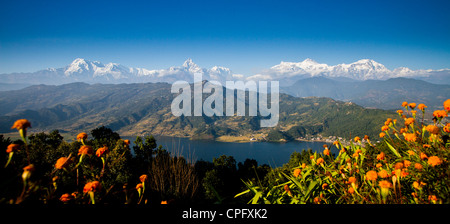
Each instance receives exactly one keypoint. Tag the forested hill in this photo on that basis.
(144, 108)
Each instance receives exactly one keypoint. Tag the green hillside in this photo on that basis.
(141, 109)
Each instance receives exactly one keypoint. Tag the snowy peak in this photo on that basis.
(360, 70)
(309, 62)
(81, 67)
(368, 64)
(190, 66)
(78, 65)
(82, 70)
(94, 71)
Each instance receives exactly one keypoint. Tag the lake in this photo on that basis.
(273, 154)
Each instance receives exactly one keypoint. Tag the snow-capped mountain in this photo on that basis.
(81, 70)
(364, 69)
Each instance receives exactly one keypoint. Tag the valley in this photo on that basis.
(144, 109)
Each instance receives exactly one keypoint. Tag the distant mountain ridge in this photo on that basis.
(364, 69)
(383, 94)
(82, 70)
(145, 108)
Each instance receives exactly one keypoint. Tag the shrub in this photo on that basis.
(409, 165)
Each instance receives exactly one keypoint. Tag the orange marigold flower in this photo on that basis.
(400, 112)
(351, 180)
(164, 202)
(143, 178)
(379, 165)
(66, 197)
(286, 188)
(399, 166)
(447, 105)
(382, 134)
(422, 107)
(357, 139)
(139, 186)
(388, 121)
(320, 161)
(403, 130)
(82, 135)
(440, 113)
(433, 129)
(418, 166)
(385, 184)
(423, 156)
(404, 104)
(126, 141)
(92, 186)
(326, 152)
(297, 172)
(384, 128)
(371, 175)
(29, 168)
(432, 198)
(412, 105)
(12, 148)
(407, 163)
(404, 173)
(85, 150)
(447, 128)
(410, 137)
(324, 186)
(21, 124)
(409, 121)
(62, 162)
(434, 161)
(317, 200)
(356, 154)
(101, 151)
(381, 156)
(351, 190)
(383, 174)
(426, 145)
(336, 143)
(410, 152)
(416, 185)
(27, 172)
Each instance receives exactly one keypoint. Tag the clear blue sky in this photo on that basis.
(245, 36)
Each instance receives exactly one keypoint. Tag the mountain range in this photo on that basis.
(361, 70)
(383, 94)
(145, 108)
(81, 70)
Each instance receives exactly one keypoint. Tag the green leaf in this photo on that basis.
(242, 193)
(311, 186)
(393, 149)
(256, 198)
(295, 181)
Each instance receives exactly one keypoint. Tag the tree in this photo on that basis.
(222, 181)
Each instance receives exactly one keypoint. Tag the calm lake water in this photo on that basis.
(273, 154)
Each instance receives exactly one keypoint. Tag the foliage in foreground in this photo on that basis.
(410, 165)
(43, 168)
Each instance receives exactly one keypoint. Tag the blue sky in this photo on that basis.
(246, 36)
